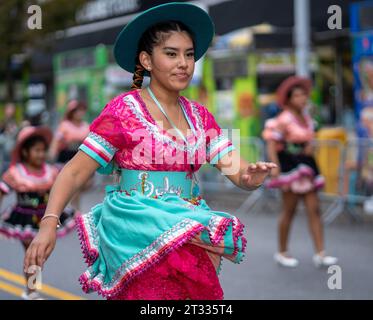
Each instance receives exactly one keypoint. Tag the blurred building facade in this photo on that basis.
(252, 53)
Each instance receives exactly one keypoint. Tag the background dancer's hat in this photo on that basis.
(27, 133)
(288, 84)
(192, 16)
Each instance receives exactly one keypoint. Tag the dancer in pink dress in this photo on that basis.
(70, 133)
(31, 178)
(154, 236)
(289, 140)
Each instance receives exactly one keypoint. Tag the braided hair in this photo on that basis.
(138, 76)
(153, 36)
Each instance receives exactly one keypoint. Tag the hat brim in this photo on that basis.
(195, 18)
(42, 131)
(288, 84)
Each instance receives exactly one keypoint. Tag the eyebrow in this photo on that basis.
(176, 49)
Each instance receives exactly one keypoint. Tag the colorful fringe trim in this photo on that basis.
(89, 246)
(302, 171)
(27, 233)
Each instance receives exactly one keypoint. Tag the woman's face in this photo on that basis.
(172, 61)
(78, 114)
(10, 110)
(298, 99)
(36, 155)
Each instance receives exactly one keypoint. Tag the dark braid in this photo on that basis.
(153, 36)
(138, 76)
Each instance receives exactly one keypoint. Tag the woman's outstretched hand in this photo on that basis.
(41, 247)
(256, 173)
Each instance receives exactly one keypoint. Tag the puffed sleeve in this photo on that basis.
(273, 130)
(106, 135)
(217, 143)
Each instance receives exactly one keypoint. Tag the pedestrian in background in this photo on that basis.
(8, 132)
(31, 178)
(70, 134)
(289, 144)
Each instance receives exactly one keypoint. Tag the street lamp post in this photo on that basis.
(302, 36)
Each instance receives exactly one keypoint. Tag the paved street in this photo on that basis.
(257, 277)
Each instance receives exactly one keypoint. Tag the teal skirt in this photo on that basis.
(129, 233)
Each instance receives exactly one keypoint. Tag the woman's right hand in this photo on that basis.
(41, 246)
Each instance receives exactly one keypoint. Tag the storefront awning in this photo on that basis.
(228, 15)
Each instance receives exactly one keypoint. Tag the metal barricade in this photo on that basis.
(250, 148)
(359, 169)
(330, 157)
(347, 168)
(355, 181)
(262, 199)
(357, 184)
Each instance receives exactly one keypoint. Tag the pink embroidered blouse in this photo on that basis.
(126, 132)
(287, 128)
(18, 178)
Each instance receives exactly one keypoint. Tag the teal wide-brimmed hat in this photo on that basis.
(195, 18)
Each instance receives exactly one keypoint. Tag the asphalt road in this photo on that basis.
(257, 277)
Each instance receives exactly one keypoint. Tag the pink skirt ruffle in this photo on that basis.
(300, 180)
(186, 273)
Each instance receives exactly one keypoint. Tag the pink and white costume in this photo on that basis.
(299, 171)
(177, 243)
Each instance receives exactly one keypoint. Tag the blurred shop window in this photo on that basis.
(223, 84)
(226, 69)
(78, 59)
(267, 84)
(78, 92)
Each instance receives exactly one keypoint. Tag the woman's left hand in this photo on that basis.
(256, 173)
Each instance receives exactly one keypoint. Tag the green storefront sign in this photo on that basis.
(79, 74)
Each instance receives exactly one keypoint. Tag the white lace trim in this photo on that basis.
(217, 140)
(42, 179)
(102, 141)
(155, 131)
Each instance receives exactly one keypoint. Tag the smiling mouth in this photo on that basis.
(182, 75)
